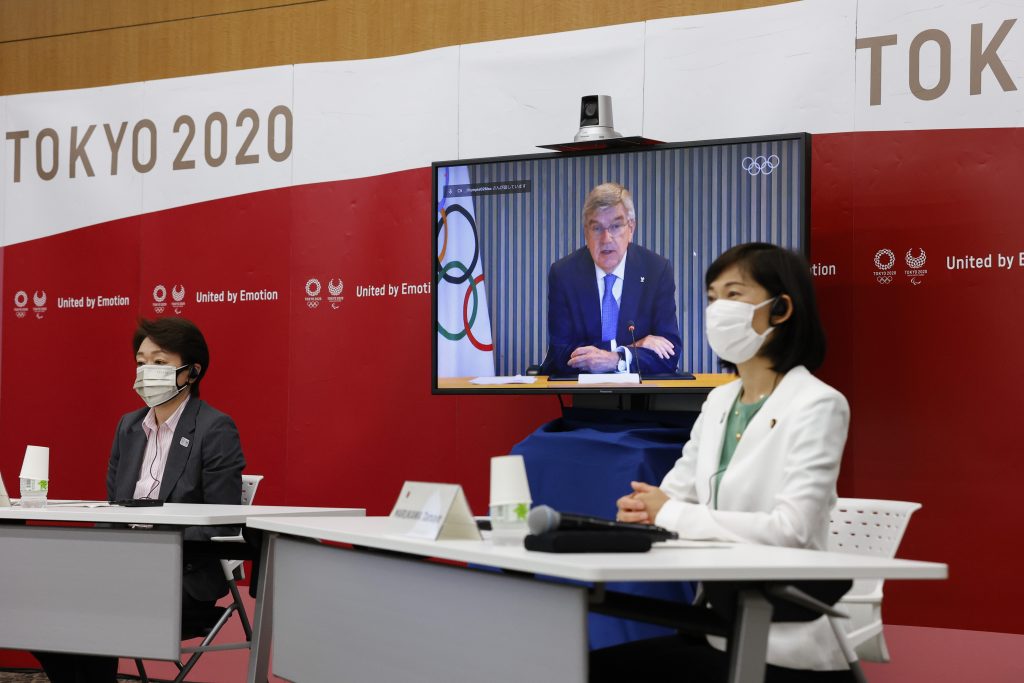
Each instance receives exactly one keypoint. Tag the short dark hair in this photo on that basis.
(176, 335)
(800, 340)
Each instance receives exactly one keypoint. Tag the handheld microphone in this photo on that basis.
(543, 519)
(636, 352)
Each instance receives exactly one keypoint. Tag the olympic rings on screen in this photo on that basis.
(760, 164)
(456, 336)
(469, 322)
(442, 224)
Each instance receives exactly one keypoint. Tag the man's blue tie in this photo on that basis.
(609, 310)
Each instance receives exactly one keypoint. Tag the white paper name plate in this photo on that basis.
(5, 502)
(438, 512)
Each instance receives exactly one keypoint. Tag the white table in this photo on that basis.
(109, 591)
(391, 616)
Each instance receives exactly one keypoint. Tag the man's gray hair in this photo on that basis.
(607, 195)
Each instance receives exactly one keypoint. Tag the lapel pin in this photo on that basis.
(642, 279)
(771, 424)
(185, 442)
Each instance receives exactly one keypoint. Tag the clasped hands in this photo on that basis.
(642, 506)
(593, 359)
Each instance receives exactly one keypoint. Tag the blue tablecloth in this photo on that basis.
(583, 462)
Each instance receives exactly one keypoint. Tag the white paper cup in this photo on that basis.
(509, 485)
(36, 464)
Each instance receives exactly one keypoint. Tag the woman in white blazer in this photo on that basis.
(763, 457)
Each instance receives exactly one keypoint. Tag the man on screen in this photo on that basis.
(597, 292)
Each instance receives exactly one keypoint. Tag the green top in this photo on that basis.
(740, 416)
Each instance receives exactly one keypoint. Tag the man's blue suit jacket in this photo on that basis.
(574, 309)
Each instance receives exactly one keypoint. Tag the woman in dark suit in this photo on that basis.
(178, 449)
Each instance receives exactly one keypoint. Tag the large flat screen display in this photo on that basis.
(516, 284)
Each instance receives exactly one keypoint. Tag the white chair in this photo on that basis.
(863, 526)
(233, 572)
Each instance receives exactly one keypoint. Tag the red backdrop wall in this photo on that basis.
(334, 403)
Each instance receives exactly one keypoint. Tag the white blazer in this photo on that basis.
(779, 489)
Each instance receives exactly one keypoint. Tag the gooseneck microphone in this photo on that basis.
(636, 351)
(543, 519)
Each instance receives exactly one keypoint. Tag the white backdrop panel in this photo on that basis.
(369, 117)
(952, 105)
(754, 72)
(223, 174)
(35, 207)
(519, 93)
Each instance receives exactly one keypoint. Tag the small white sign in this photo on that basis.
(5, 501)
(439, 512)
(609, 378)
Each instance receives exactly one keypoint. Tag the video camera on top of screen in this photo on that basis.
(596, 119)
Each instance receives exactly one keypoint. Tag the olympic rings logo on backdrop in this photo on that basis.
(160, 293)
(313, 289)
(455, 272)
(20, 303)
(885, 259)
(760, 165)
(890, 259)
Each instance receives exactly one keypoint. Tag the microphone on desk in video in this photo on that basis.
(636, 352)
(543, 519)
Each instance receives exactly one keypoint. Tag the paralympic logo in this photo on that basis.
(39, 301)
(455, 272)
(334, 290)
(915, 262)
(760, 165)
(178, 298)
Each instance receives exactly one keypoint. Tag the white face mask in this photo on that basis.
(158, 384)
(729, 326)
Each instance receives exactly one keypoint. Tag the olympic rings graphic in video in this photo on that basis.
(456, 336)
(888, 263)
(760, 164)
(469, 325)
(442, 224)
(20, 299)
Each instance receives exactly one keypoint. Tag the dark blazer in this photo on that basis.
(574, 309)
(204, 465)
